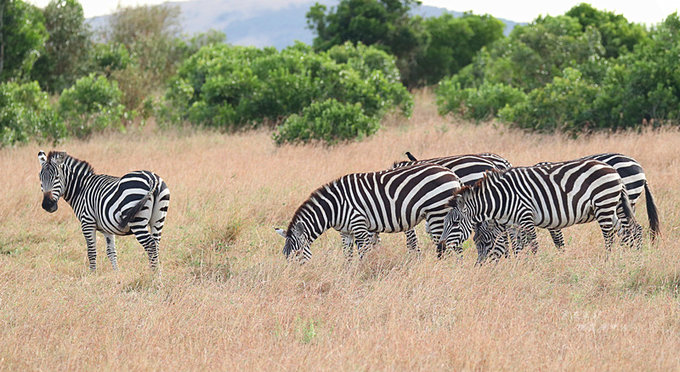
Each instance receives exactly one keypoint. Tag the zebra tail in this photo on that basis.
(652, 213)
(133, 212)
(627, 210)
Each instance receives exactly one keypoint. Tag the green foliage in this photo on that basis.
(385, 24)
(92, 104)
(67, 47)
(239, 87)
(25, 113)
(564, 104)
(618, 35)
(109, 57)
(583, 71)
(150, 34)
(533, 54)
(329, 121)
(645, 84)
(22, 36)
(476, 103)
(453, 44)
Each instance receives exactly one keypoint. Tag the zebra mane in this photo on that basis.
(294, 220)
(402, 163)
(66, 156)
(466, 190)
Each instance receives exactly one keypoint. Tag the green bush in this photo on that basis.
(232, 87)
(476, 103)
(564, 104)
(92, 104)
(109, 57)
(25, 113)
(329, 121)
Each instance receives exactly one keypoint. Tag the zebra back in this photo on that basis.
(560, 194)
(469, 168)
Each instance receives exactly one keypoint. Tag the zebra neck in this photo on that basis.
(76, 175)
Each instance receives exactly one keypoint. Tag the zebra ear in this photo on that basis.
(42, 158)
(280, 232)
(58, 157)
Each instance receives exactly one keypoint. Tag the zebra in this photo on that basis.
(135, 203)
(633, 177)
(551, 196)
(469, 168)
(358, 204)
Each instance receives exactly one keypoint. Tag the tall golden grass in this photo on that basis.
(226, 298)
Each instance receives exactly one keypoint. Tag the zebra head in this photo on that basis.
(51, 178)
(297, 242)
(458, 223)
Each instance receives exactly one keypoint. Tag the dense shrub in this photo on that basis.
(476, 103)
(329, 121)
(583, 71)
(109, 57)
(233, 87)
(92, 104)
(25, 113)
(564, 104)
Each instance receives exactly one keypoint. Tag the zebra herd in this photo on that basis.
(484, 193)
(455, 195)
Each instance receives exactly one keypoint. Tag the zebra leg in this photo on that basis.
(140, 227)
(606, 222)
(347, 245)
(148, 242)
(529, 237)
(111, 250)
(412, 241)
(557, 238)
(434, 223)
(363, 240)
(89, 233)
(161, 202)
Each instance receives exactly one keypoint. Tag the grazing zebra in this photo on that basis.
(633, 177)
(363, 203)
(552, 196)
(469, 168)
(133, 204)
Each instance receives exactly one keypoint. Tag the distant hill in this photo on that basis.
(262, 23)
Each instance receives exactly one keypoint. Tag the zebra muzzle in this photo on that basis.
(48, 204)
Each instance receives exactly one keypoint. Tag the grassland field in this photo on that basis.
(226, 299)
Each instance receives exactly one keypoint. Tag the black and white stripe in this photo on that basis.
(633, 177)
(551, 196)
(135, 203)
(360, 204)
(470, 168)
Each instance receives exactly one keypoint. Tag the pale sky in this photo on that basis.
(647, 11)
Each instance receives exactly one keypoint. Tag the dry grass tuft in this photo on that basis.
(226, 298)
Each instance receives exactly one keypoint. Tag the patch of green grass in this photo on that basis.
(308, 330)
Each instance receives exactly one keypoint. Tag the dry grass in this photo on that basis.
(227, 300)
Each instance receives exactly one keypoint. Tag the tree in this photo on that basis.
(385, 24)
(453, 44)
(22, 36)
(618, 35)
(151, 34)
(67, 48)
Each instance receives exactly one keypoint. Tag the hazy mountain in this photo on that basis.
(262, 22)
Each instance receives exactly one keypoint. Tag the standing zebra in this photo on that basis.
(470, 169)
(552, 196)
(359, 204)
(633, 177)
(133, 204)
